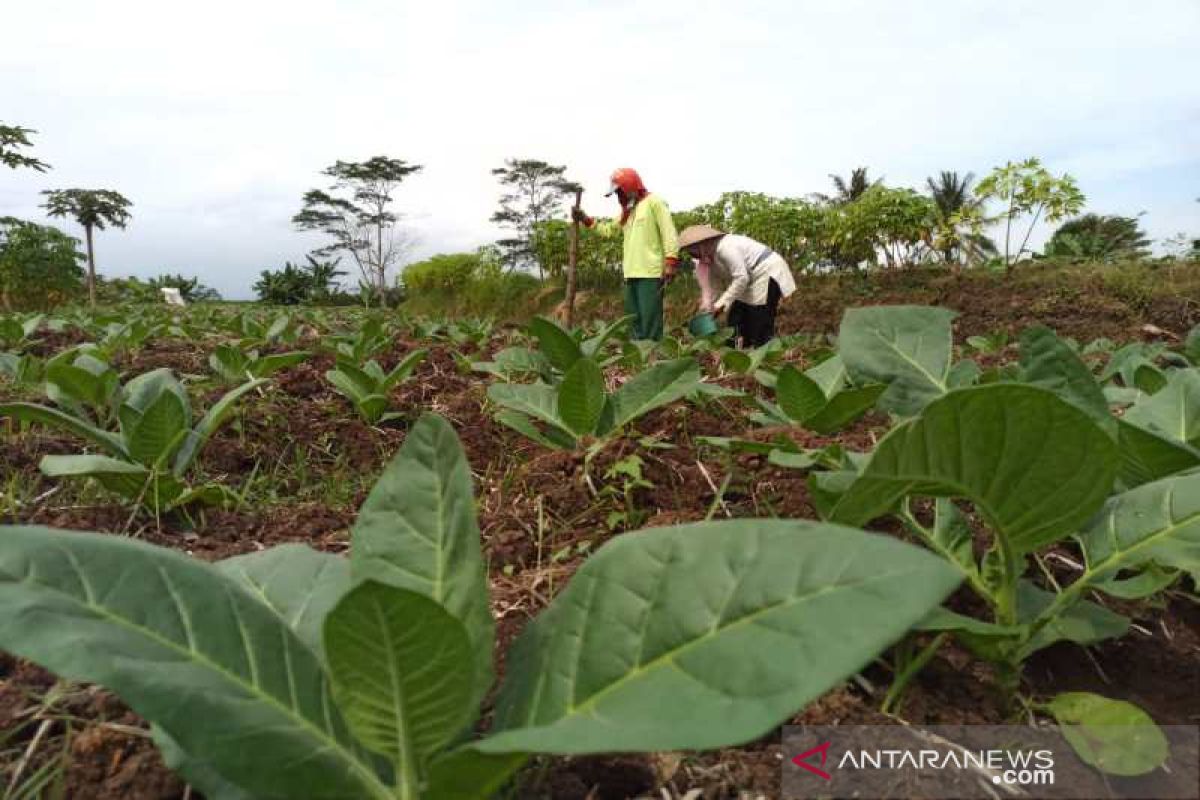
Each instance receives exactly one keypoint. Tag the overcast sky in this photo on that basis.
(215, 117)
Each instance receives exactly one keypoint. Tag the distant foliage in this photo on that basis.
(445, 272)
(190, 289)
(534, 194)
(40, 266)
(1094, 237)
(314, 283)
(14, 138)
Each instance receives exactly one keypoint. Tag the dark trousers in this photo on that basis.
(644, 300)
(754, 326)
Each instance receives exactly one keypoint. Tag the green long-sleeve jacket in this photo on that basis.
(649, 237)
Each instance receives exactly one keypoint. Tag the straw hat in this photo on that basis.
(694, 234)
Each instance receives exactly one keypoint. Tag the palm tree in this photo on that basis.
(1098, 238)
(847, 191)
(954, 198)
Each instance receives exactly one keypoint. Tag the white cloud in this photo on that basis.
(215, 118)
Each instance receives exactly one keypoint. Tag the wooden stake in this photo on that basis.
(572, 260)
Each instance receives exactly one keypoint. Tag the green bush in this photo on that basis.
(445, 272)
(39, 266)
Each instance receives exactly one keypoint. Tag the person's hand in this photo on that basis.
(718, 309)
(670, 267)
(578, 216)
(704, 308)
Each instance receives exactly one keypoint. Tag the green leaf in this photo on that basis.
(906, 347)
(1112, 735)
(270, 364)
(798, 395)
(402, 673)
(158, 430)
(650, 646)
(845, 407)
(209, 424)
(1035, 466)
(658, 386)
(199, 774)
(1049, 363)
(559, 347)
(581, 397)
(31, 412)
(830, 375)
(467, 774)
(401, 371)
(187, 649)
(298, 583)
(1147, 456)
(1083, 622)
(552, 438)
(417, 530)
(78, 383)
(1157, 523)
(594, 346)
(125, 478)
(1173, 412)
(536, 400)
(228, 362)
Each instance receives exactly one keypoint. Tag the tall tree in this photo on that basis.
(356, 213)
(954, 202)
(1098, 238)
(12, 139)
(847, 191)
(535, 194)
(91, 208)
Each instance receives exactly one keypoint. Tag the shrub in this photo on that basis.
(39, 265)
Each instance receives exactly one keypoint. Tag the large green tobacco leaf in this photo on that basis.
(1148, 456)
(1157, 523)
(707, 635)
(187, 649)
(845, 407)
(1112, 735)
(31, 412)
(1173, 412)
(298, 583)
(536, 400)
(553, 438)
(158, 429)
(906, 347)
(581, 397)
(1082, 622)
(1035, 466)
(417, 530)
(126, 479)
(658, 386)
(402, 672)
(799, 396)
(1048, 362)
(558, 345)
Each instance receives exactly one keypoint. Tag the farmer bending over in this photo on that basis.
(651, 250)
(757, 278)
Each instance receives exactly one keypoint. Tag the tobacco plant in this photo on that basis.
(293, 673)
(367, 386)
(148, 457)
(235, 364)
(578, 410)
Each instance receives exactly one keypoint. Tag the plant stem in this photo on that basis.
(911, 670)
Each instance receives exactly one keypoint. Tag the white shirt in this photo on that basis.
(749, 267)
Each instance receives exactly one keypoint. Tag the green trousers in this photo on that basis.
(644, 300)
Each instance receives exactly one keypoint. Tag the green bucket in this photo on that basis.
(703, 324)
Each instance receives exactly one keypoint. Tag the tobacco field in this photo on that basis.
(334, 553)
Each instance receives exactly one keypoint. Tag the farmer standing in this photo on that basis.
(651, 249)
(757, 279)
